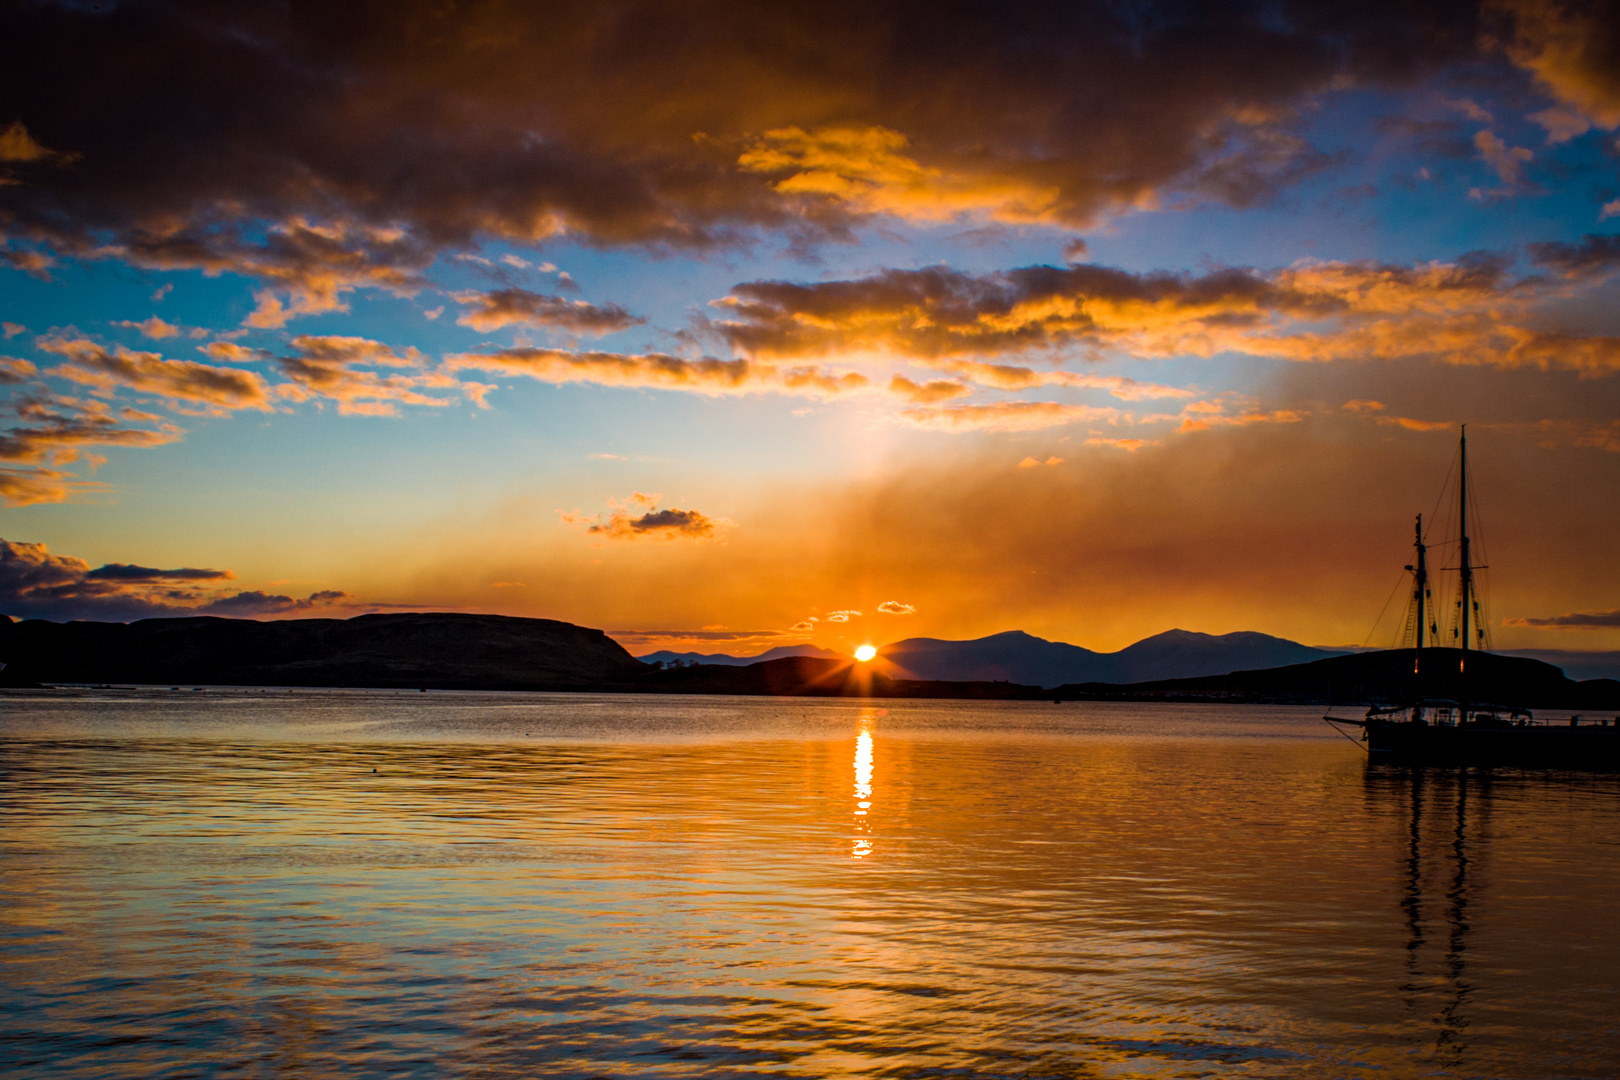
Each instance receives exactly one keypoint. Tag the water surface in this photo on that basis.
(256, 883)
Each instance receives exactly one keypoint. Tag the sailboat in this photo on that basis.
(1461, 728)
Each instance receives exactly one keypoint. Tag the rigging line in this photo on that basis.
(1434, 513)
(1398, 583)
(1335, 726)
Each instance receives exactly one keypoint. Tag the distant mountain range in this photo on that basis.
(664, 656)
(471, 652)
(1018, 657)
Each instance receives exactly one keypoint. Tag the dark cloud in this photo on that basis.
(520, 307)
(671, 522)
(623, 523)
(322, 148)
(941, 312)
(127, 572)
(1591, 257)
(1581, 620)
(34, 583)
(1469, 311)
(245, 605)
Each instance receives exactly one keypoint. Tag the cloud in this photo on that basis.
(1591, 257)
(895, 607)
(1005, 416)
(58, 425)
(333, 367)
(659, 371)
(375, 140)
(306, 267)
(508, 307)
(1035, 462)
(126, 572)
(1469, 311)
(103, 369)
(842, 616)
(12, 329)
(244, 605)
(17, 145)
(15, 370)
(1579, 620)
(940, 313)
(1507, 161)
(866, 171)
(30, 487)
(34, 583)
(927, 393)
(622, 523)
(1010, 377)
(54, 430)
(1572, 50)
(153, 327)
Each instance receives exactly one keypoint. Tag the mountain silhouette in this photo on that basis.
(664, 656)
(1017, 657)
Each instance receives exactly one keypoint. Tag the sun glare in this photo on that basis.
(865, 653)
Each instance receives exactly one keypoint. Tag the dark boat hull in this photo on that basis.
(1587, 746)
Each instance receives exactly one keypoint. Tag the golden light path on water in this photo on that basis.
(863, 781)
(351, 885)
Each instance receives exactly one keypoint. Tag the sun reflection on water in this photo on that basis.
(863, 781)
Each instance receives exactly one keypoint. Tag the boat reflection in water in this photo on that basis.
(1437, 893)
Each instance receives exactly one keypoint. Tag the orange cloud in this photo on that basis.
(1006, 416)
(1467, 312)
(926, 393)
(95, 365)
(622, 523)
(1570, 48)
(332, 367)
(660, 371)
(865, 171)
(57, 429)
(152, 327)
(519, 307)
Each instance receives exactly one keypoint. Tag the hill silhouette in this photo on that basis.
(1018, 657)
(438, 651)
(1393, 676)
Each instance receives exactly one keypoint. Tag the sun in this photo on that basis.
(865, 653)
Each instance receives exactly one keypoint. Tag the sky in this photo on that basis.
(726, 326)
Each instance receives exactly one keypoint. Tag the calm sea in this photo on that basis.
(310, 884)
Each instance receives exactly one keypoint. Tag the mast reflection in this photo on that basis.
(862, 845)
(1427, 792)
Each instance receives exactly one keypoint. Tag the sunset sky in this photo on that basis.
(725, 326)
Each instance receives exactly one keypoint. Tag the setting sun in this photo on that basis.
(865, 653)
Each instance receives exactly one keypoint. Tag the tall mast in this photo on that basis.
(1420, 578)
(1462, 515)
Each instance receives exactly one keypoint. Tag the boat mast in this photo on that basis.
(1420, 580)
(1467, 569)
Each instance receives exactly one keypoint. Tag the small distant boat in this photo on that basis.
(1456, 731)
